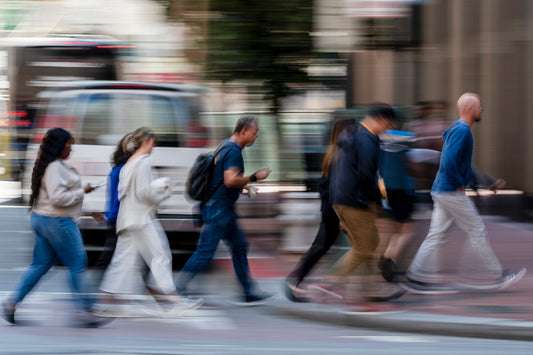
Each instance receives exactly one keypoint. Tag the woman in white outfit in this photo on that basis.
(140, 237)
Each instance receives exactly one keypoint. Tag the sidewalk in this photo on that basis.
(503, 315)
(507, 314)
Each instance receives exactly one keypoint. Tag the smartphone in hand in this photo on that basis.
(100, 184)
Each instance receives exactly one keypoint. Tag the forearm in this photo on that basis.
(236, 181)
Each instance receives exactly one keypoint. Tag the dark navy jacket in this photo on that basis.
(353, 180)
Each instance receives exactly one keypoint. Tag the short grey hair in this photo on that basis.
(244, 122)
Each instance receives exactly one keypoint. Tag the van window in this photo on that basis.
(133, 112)
(164, 121)
(96, 118)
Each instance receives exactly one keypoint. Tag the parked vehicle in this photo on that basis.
(98, 114)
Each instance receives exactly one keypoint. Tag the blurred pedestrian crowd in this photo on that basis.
(371, 170)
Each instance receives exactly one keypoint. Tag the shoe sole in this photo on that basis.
(255, 303)
(97, 323)
(429, 290)
(326, 291)
(394, 296)
(493, 287)
(369, 313)
(296, 294)
(180, 312)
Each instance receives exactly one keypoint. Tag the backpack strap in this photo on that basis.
(219, 148)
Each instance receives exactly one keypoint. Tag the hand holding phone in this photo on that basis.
(100, 184)
(88, 188)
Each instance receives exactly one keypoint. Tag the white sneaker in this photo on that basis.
(180, 308)
(508, 278)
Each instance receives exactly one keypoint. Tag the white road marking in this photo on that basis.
(387, 338)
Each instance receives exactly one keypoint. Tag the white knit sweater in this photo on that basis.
(138, 200)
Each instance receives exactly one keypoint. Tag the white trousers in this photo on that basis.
(449, 208)
(135, 247)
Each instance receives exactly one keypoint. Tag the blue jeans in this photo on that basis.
(220, 223)
(56, 237)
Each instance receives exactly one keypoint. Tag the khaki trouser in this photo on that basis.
(362, 233)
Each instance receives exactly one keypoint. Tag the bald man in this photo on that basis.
(451, 205)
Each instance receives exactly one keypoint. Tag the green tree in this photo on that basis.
(257, 40)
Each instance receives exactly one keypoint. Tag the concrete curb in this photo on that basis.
(411, 322)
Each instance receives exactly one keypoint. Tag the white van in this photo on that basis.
(98, 114)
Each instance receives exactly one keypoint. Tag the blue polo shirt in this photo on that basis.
(229, 157)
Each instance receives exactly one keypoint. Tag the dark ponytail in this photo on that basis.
(52, 147)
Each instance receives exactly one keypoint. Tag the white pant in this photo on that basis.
(449, 208)
(135, 247)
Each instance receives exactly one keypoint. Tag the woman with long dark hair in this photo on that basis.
(329, 225)
(55, 202)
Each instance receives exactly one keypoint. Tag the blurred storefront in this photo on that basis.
(486, 47)
(395, 51)
(403, 52)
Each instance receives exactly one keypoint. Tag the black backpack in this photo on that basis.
(197, 186)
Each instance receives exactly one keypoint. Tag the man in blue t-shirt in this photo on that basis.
(452, 205)
(219, 213)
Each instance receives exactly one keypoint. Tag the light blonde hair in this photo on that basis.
(135, 139)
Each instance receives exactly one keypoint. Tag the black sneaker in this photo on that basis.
(92, 320)
(388, 297)
(293, 292)
(386, 265)
(256, 299)
(8, 313)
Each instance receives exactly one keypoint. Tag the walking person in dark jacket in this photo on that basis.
(329, 224)
(354, 190)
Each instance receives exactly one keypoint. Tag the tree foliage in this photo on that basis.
(266, 41)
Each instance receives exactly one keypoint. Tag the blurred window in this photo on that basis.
(102, 118)
(95, 118)
(133, 112)
(164, 121)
